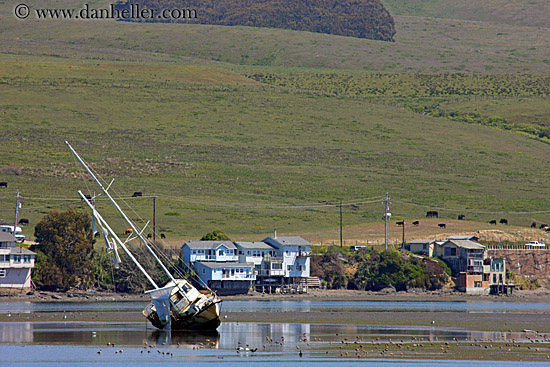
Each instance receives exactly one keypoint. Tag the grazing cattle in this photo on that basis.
(503, 221)
(400, 223)
(415, 223)
(534, 225)
(461, 217)
(149, 235)
(543, 225)
(547, 229)
(442, 225)
(162, 235)
(431, 214)
(97, 234)
(23, 221)
(493, 222)
(137, 194)
(3, 184)
(128, 231)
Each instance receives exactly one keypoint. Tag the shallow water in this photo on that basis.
(78, 343)
(297, 306)
(63, 343)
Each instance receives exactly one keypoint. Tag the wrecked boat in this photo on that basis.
(178, 305)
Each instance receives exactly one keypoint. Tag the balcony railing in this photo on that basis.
(303, 254)
(272, 272)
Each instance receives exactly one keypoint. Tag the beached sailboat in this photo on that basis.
(178, 305)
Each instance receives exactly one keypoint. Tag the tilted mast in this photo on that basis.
(130, 223)
(117, 239)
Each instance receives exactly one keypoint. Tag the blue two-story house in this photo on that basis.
(216, 264)
(295, 254)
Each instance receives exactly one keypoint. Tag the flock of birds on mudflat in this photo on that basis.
(360, 348)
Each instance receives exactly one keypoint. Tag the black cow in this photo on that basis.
(137, 194)
(400, 223)
(162, 235)
(543, 225)
(503, 221)
(3, 184)
(149, 235)
(23, 221)
(416, 223)
(431, 214)
(534, 225)
(461, 217)
(493, 222)
(442, 225)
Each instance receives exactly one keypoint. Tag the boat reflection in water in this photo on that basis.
(185, 339)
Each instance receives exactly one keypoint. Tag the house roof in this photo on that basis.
(471, 238)
(288, 240)
(420, 241)
(18, 250)
(6, 237)
(466, 244)
(209, 245)
(220, 265)
(254, 245)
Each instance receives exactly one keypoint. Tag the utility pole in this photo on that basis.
(403, 243)
(17, 204)
(386, 220)
(154, 218)
(341, 236)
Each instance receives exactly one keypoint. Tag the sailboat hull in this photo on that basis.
(205, 320)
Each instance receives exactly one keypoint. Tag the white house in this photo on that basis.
(226, 277)
(16, 264)
(295, 252)
(219, 251)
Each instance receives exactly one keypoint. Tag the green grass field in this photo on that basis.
(169, 110)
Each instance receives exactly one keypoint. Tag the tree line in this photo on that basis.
(353, 18)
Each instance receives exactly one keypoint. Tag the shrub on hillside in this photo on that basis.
(355, 18)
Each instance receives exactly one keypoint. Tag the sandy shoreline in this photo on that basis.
(540, 295)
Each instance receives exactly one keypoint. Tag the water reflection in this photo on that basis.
(230, 334)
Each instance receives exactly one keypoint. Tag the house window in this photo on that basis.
(203, 270)
(2, 273)
(486, 277)
(276, 266)
(26, 258)
(424, 247)
(450, 251)
(289, 267)
(240, 252)
(500, 278)
(494, 278)
(477, 283)
(221, 253)
(194, 252)
(248, 252)
(17, 258)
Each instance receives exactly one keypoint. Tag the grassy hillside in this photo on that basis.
(223, 151)
(422, 45)
(518, 103)
(533, 13)
(167, 109)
